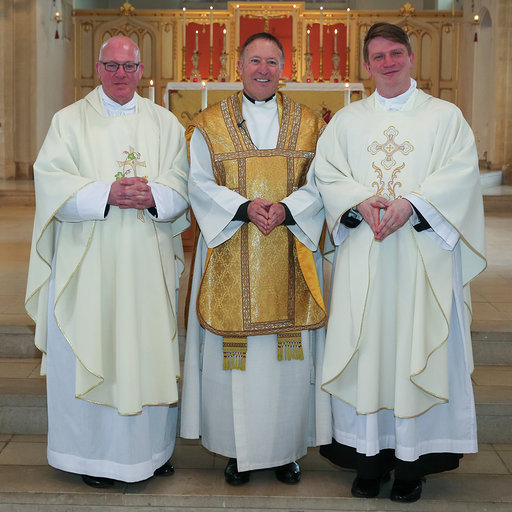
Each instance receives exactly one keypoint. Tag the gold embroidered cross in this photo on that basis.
(390, 147)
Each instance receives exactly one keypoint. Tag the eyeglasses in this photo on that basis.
(129, 67)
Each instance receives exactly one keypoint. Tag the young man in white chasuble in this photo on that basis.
(398, 175)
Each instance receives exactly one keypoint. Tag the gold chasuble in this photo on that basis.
(256, 284)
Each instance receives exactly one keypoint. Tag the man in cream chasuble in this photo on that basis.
(398, 174)
(111, 191)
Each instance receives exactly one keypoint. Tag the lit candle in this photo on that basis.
(224, 41)
(347, 93)
(184, 26)
(197, 40)
(307, 41)
(321, 27)
(204, 96)
(348, 26)
(211, 26)
(151, 91)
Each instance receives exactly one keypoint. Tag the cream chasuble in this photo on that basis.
(392, 306)
(121, 360)
(270, 413)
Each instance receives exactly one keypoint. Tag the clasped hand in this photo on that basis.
(131, 193)
(266, 215)
(397, 212)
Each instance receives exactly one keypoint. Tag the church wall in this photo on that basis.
(36, 80)
(7, 167)
(54, 66)
(24, 85)
(502, 133)
(486, 75)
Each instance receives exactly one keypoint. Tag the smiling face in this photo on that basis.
(119, 86)
(389, 64)
(260, 68)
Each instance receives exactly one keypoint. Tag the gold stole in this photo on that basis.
(255, 284)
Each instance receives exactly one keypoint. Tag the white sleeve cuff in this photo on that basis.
(169, 204)
(441, 230)
(87, 204)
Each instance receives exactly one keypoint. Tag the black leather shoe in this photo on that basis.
(289, 473)
(166, 469)
(406, 491)
(97, 481)
(368, 487)
(233, 476)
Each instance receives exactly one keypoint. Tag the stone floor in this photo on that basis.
(483, 482)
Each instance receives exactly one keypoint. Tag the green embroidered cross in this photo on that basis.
(129, 165)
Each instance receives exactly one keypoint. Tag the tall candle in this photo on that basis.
(204, 96)
(151, 91)
(184, 27)
(347, 93)
(321, 27)
(211, 26)
(197, 40)
(335, 40)
(294, 26)
(348, 26)
(237, 27)
(307, 41)
(224, 41)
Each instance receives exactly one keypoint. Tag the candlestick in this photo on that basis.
(204, 96)
(211, 25)
(347, 93)
(151, 91)
(197, 40)
(321, 26)
(307, 40)
(184, 27)
(335, 40)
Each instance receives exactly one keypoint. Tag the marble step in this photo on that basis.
(23, 400)
(482, 482)
(43, 489)
(18, 341)
(488, 347)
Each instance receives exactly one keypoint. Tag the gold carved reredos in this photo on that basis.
(165, 28)
(127, 9)
(407, 10)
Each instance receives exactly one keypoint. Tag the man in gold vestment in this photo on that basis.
(254, 334)
(398, 174)
(111, 188)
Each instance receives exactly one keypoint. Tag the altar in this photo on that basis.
(186, 99)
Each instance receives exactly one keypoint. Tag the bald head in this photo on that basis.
(117, 42)
(118, 84)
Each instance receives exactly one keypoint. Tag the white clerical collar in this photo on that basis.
(112, 108)
(399, 101)
(258, 102)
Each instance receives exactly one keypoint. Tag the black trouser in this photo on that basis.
(385, 460)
